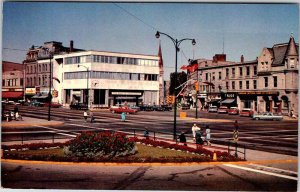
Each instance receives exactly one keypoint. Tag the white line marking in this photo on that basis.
(55, 130)
(274, 168)
(263, 172)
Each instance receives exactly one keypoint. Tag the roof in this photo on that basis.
(11, 66)
(281, 51)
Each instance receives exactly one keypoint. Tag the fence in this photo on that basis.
(52, 136)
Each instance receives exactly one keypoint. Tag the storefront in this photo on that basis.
(229, 99)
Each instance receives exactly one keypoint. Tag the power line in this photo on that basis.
(135, 17)
(14, 49)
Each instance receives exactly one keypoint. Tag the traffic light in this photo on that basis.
(196, 86)
(55, 93)
(170, 99)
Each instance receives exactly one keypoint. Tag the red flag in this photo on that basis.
(184, 67)
(193, 67)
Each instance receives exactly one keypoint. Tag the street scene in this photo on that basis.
(105, 78)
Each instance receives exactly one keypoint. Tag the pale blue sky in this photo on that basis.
(245, 28)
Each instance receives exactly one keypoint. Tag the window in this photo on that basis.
(213, 77)
(233, 84)
(233, 72)
(206, 76)
(255, 70)
(292, 63)
(3, 82)
(275, 81)
(241, 71)
(247, 85)
(227, 85)
(220, 75)
(227, 73)
(241, 84)
(254, 84)
(247, 70)
(266, 81)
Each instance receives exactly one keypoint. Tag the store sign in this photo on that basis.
(30, 91)
(230, 95)
(259, 93)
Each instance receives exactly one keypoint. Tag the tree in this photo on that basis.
(181, 78)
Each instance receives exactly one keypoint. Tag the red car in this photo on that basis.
(223, 109)
(233, 111)
(246, 112)
(126, 110)
(53, 105)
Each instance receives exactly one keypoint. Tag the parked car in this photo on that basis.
(157, 108)
(246, 112)
(233, 111)
(135, 107)
(166, 107)
(127, 110)
(213, 109)
(36, 103)
(267, 116)
(223, 109)
(79, 106)
(53, 105)
(146, 108)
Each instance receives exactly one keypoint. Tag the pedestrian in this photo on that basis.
(182, 138)
(146, 134)
(123, 116)
(194, 129)
(236, 131)
(207, 135)
(16, 109)
(85, 115)
(199, 140)
(92, 116)
(18, 116)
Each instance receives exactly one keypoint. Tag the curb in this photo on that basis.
(148, 164)
(31, 124)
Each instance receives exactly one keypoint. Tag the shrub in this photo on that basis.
(107, 144)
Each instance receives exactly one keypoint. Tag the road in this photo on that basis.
(274, 136)
(262, 171)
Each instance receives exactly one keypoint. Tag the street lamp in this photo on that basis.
(50, 86)
(87, 84)
(176, 44)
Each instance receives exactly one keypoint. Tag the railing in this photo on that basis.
(53, 136)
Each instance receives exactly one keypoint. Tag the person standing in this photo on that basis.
(92, 116)
(194, 129)
(123, 116)
(85, 115)
(207, 135)
(182, 138)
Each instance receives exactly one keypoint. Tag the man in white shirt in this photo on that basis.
(194, 129)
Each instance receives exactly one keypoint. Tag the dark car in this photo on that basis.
(166, 107)
(146, 108)
(79, 106)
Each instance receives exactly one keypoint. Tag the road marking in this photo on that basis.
(55, 130)
(276, 169)
(260, 171)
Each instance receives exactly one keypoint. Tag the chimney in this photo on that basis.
(71, 46)
(242, 59)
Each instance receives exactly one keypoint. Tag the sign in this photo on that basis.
(30, 91)
(201, 95)
(229, 95)
(259, 93)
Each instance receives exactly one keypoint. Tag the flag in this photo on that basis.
(183, 67)
(55, 78)
(192, 68)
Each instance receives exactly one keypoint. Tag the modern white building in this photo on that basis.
(106, 78)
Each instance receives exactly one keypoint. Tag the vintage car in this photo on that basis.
(246, 112)
(223, 109)
(53, 105)
(79, 106)
(233, 111)
(267, 116)
(126, 110)
(166, 107)
(213, 109)
(146, 108)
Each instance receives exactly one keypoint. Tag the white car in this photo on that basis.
(267, 116)
(213, 109)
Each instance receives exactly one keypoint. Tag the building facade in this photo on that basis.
(12, 81)
(269, 83)
(103, 79)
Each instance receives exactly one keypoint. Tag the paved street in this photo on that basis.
(263, 171)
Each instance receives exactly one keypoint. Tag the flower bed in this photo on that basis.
(109, 147)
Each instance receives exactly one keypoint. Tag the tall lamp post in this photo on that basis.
(176, 44)
(50, 86)
(87, 84)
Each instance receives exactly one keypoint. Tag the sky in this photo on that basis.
(233, 29)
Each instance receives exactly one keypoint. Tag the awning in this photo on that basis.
(227, 101)
(12, 94)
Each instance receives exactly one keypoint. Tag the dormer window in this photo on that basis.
(292, 63)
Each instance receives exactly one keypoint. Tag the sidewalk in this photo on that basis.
(28, 121)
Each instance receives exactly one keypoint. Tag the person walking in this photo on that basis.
(182, 138)
(123, 116)
(207, 135)
(92, 116)
(85, 115)
(236, 131)
(194, 129)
